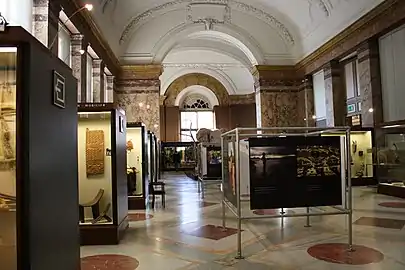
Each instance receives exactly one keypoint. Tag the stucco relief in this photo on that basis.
(196, 79)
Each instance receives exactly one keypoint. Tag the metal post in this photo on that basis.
(282, 211)
(222, 187)
(349, 191)
(238, 201)
(308, 225)
(202, 189)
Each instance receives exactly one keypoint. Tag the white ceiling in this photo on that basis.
(245, 32)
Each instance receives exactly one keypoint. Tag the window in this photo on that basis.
(352, 87)
(64, 44)
(319, 95)
(89, 78)
(196, 114)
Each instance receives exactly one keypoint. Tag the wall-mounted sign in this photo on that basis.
(351, 108)
(58, 90)
(356, 120)
(3, 23)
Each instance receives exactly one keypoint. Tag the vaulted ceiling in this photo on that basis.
(257, 31)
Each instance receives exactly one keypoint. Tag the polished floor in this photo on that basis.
(188, 235)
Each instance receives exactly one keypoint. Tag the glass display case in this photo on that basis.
(8, 190)
(178, 156)
(390, 159)
(361, 150)
(210, 162)
(137, 166)
(101, 147)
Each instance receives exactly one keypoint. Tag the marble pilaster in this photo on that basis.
(138, 93)
(277, 97)
(368, 70)
(108, 95)
(335, 95)
(45, 23)
(98, 80)
(79, 65)
(307, 108)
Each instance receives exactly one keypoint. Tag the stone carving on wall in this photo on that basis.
(232, 4)
(185, 81)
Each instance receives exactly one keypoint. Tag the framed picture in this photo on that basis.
(58, 90)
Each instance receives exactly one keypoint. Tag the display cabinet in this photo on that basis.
(210, 164)
(38, 161)
(390, 153)
(178, 156)
(102, 158)
(362, 156)
(137, 166)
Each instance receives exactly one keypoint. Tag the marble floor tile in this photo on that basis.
(188, 234)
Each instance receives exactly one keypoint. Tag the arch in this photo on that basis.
(245, 43)
(199, 90)
(196, 79)
(219, 75)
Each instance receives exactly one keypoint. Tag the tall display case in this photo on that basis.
(101, 146)
(210, 163)
(38, 159)
(137, 166)
(178, 156)
(390, 159)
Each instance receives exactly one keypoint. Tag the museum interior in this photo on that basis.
(202, 134)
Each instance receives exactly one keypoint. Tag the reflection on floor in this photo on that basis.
(187, 235)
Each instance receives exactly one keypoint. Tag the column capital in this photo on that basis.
(141, 72)
(98, 63)
(367, 50)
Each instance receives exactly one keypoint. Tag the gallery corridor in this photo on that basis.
(187, 235)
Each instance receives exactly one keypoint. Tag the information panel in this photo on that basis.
(288, 172)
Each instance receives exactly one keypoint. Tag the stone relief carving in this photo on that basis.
(107, 3)
(321, 5)
(231, 4)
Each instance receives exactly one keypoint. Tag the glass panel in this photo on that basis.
(95, 174)
(8, 228)
(349, 78)
(134, 161)
(205, 120)
(64, 44)
(187, 119)
(186, 135)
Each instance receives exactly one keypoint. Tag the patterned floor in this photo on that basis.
(188, 235)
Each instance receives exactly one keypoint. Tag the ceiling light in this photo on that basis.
(314, 117)
(140, 104)
(81, 51)
(371, 110)
(89, 7)
(147, 106)
(156, 125)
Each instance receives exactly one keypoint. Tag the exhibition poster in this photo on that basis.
(229, 168)
(298, 171)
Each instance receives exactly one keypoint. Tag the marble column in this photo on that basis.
(138, 93)
(335, 95)
(79, 65)
(368, 70)
(277, 99)
(98, 80)
(307, 108)
(109, 90)
(45, 25)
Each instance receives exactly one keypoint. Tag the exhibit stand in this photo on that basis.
(102, 159)
(38, 157)
(178, 156)
(291, 167)
(390, 148)
(209, 165)
(137, 166)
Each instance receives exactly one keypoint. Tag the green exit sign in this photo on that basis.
(351, 108)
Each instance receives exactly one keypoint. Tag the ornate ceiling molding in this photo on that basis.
(232, 4)
(322, 6)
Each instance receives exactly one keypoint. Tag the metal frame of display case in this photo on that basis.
(237, 134)
(203, 182)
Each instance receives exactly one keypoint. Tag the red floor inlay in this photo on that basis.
(387, 223)
(339, 253)
(211, 232)
(109, 262)
(139, 217)
(393, 204)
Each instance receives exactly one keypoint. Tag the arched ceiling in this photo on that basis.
(274, 31)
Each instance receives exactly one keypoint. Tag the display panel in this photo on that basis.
(229, 171)
(8, 221)
(135, 147)
(95, 168)
(295, 172)
(178, 156)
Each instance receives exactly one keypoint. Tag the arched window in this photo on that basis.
(196, 113)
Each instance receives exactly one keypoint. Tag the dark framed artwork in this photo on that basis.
(58, 90)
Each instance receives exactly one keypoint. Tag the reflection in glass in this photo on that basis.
(8, 228)
(134, 161)
(95, 174)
